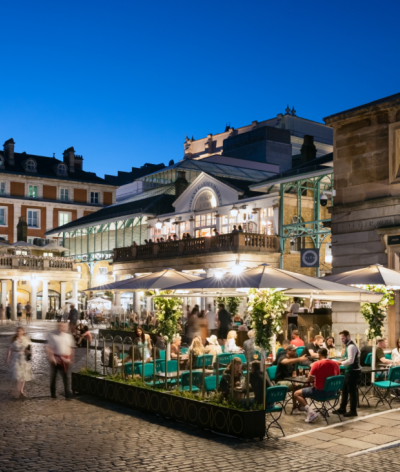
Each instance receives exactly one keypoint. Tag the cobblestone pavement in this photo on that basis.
(41, 434)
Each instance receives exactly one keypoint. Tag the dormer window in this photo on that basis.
(30, 165)
(62, 169)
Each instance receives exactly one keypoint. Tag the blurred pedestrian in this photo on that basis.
(8, 313)
(19, 313)
(28, 313)
(1, 314)
(73, 319)
(19, 354)
(61, 354)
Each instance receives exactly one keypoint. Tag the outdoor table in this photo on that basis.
(300, 381)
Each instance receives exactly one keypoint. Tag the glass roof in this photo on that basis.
(219, 170)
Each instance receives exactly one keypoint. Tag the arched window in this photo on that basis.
(296, 244)
(30, 165)
(62, 169)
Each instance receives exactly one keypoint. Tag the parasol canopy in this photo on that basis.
(157, 280)
(375, 274)
(265, 276)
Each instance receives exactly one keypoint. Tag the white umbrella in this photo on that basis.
(24, 244)
(266, 276)
(99, 300)
(73, 301)
(52, 247)
(157, 280)
(375, 274)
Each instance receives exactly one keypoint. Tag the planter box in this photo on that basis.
(241, 424)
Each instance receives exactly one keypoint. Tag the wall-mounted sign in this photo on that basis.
(309, 257)
(202, 186)
(392, 240)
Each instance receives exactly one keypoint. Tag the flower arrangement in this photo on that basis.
(265, 308)
(168, 313)
(375, 313)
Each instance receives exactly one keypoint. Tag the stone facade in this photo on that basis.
(367, 201)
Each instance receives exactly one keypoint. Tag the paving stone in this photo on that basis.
(378, 439)
(394, 432)
(362, 425)
(357, 444)
(322, 435)
(382, 421)
(353, 434)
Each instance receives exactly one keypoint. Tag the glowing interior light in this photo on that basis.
(218, 274)
(158, 224)
(237, 269)
(234, 211)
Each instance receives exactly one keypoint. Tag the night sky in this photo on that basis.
(124, 82)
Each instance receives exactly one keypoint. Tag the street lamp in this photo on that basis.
(158, 224)
(234, 211)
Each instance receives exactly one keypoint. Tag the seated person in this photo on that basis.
(320, 371)
(281, 351)
(257, 384)
(380, 358)
(134, 353)
(311, 350)
(175, 346)
(396, 352)
(213, 347)
(196, 349)
(230, 345)
(85, 338)
(287, 365)
(226, 381)
(296, 340)
(330, 343)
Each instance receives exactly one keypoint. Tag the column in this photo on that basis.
(34, 298)
(14, 299)
(137, 302)
(218, 220)
(191, 222)
(63, 288)
(117, 295)
(177, 230)
(4, 293)
(75, 290)
(276, 218)
(45, 299)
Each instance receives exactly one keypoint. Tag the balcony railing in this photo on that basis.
(232, 242)
(36, 262)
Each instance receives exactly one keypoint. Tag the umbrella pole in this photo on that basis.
(373, 365)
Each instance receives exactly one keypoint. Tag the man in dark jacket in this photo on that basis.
(73, 319)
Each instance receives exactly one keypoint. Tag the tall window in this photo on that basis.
(33, 191)
(94, 197)
(2, 188)
(2, 216)
(33, 218)
(63, 218)
(64, 195)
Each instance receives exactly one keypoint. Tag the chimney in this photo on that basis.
(308, 149)
(22, 229)
(69, 159)
(181, 184)
(9, 151)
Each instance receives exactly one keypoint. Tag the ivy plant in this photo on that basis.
(375, 313)
(168, 314)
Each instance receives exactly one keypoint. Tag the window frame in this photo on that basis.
(64, 213)
(65, 190)
(37, 217)
(30, 186)
(5, 188)
(28, 167)
(5, 216)
(93, 197)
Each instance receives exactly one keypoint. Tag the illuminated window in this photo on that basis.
(64, 217)
(3, 216)
(32, 191)
(2, 188)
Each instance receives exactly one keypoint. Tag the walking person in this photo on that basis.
(1, 314)
(19, 354)
(8, 313)
(352, 376)
(60, 354)
(224, 323)
(28, 313)
(19, 313)
(73, 319)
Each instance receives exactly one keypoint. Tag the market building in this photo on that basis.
(203, 193)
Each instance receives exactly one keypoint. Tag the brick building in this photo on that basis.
(46, 191)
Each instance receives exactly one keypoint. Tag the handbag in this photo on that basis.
(28, 353)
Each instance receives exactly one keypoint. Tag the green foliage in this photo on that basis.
(266, 307)
(375, 313)
(219, 400)
(91, 373)
(168, 313)
(231, 303)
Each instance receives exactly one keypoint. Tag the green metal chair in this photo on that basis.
(299, 351)
(128, 367)
(162, 354)
(224, 358)
(196, 381)
(368, 359)
(208, 360)
(275, 394)
(210, 383)
(384, 388)
(332, 389)
(271, 371)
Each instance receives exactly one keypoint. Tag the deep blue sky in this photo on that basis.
(124, 81)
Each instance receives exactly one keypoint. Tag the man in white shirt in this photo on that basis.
(211, 319)
(61, 354)
(293, 311)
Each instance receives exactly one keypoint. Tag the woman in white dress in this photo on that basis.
(17, 356)
(230, 345)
